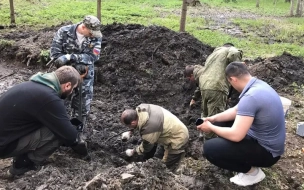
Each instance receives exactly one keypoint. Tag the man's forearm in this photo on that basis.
(224, 132)
(227, 115)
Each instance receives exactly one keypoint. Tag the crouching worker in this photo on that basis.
(256, 138)
(34, 122)
(157, 125)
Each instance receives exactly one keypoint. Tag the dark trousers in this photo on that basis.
(172, 160)
(38, 145)
(237, 156)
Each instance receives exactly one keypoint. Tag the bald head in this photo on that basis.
(188, 70)
(128, 116)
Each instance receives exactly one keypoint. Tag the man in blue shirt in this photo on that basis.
(256, 138)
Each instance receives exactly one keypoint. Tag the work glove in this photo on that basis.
(78, 124)
(64, 60)
(81, 146)
(192, 102)
(126, 136)
(130, 152)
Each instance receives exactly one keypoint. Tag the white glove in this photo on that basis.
(126, 135)
(129, 152)
(68, 56)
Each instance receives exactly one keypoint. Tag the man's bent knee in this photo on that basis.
(212, 147)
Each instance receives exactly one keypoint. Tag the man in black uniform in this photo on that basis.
(33, 119)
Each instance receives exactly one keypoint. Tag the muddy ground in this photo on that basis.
(145, 65)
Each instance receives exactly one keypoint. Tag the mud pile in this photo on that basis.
(280, 72)
(141, 175)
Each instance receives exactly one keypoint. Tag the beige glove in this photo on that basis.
(192, 102)
(126, 135)
(165, 155)
(130, 152)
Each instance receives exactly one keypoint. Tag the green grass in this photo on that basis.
(281, 30)
(6, 43)
(288, 31)
(266, 6)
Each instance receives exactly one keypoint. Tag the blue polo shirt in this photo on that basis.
(262, 102)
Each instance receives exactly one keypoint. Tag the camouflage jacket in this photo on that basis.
(65, 42)
(197, 73)
(158, 125)
(213, 76)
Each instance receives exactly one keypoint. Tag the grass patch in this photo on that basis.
(6, 43)
(252, 49)
(266, 6)
(280, 30)
(50, 12)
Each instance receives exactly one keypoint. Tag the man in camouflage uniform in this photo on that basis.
(79, 45)
(157, 125)
(212, 82)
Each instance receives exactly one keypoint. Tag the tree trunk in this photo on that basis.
(287, 1)
(292, 3)
(299, 11)
(275, 2)
(183, 17)
(257, 3)
(13, 22)
(99, 10)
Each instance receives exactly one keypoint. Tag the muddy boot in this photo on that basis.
(22, 164)
(173, 161)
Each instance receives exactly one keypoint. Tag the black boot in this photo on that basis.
(22, 164)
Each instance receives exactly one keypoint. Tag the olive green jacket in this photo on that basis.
(158, 125)
(212, 77)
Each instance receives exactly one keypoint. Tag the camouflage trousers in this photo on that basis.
(87, 94)
(213, 102)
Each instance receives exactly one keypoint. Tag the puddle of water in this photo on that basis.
(7, 79)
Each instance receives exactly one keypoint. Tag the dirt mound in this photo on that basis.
(28, 46)
(142, 175)
(280, 72)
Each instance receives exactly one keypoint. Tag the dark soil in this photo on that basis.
(141, 65)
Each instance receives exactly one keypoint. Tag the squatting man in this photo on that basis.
(34, 121)
(157, 125)
(256, 138)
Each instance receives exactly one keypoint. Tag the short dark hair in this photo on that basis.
(236, 69)
(128, 116)
(228, 44)
(188, 70)
(68, 74)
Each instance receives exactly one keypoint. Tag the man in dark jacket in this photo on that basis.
(33, 119)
